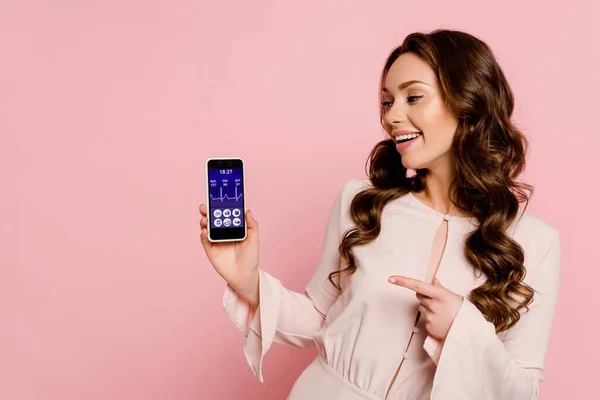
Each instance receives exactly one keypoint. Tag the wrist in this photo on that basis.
(248, 288)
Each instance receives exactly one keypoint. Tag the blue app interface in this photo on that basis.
(226, 197)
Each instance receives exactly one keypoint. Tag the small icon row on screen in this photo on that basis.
(236, 212)
(226, 222)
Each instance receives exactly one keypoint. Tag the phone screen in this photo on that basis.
(226, 199)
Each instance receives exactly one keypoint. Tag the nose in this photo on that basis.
(395, 115)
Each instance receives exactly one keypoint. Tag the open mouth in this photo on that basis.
(407, 138)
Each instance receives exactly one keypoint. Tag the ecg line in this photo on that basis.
(226, 197)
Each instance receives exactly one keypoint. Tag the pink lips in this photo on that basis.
(405, 145)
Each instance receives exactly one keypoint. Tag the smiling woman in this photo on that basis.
(437, 285)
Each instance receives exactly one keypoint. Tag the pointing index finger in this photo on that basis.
(416, 285)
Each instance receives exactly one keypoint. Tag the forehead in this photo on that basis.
(406, 68)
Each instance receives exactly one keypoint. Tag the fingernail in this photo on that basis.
(392, 280)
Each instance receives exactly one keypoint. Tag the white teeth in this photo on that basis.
(406, 137)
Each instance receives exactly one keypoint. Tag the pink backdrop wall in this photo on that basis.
(108, 111)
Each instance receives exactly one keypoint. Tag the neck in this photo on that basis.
(437, 190)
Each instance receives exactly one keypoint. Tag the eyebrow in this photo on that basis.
(404, 85)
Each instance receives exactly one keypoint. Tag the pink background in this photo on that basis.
(108, 110)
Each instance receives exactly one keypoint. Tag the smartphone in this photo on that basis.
(225, 199)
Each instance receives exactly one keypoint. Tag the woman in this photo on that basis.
(432, 284)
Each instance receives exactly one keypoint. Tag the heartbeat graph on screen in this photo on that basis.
(225, 197)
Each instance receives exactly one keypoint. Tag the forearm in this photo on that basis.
(488, 369)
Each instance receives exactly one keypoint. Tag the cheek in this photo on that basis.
(439, 126)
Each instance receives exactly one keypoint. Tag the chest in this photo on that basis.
(416, 249)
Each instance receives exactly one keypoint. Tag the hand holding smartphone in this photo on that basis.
(229, 234)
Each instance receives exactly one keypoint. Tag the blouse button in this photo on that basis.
(406, 356)
(416, 330)
(446, 217)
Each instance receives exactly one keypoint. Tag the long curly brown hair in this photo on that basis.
(489, 151)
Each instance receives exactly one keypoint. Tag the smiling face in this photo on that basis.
(413, 105)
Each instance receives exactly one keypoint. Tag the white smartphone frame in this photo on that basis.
(208, 208)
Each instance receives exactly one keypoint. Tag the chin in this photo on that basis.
(411, 163)
(419, 159)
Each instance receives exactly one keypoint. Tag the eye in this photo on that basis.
(386, 104)
(413, 99)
